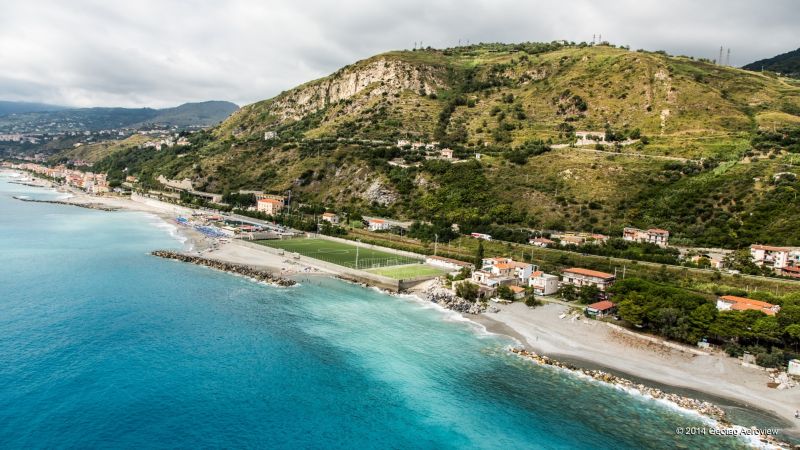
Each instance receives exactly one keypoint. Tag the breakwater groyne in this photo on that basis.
(705, 408)
(97, 206)
(237, 269)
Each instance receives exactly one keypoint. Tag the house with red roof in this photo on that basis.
(601, 309)
(269, 206)
(734, 303)
(580, 277)
(655, 236)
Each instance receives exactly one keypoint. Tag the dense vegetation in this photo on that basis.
(786, 63)
(714, 158)
(681, 315)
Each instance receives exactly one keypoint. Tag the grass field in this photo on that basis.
(347, 255)
(407, 271)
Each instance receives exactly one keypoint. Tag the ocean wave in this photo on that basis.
(448, 315)
(173, 230)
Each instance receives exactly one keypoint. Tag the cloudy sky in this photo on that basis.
(163, 52)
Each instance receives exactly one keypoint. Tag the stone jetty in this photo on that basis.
(97, 206)
(238, 269)
(445, 298)
(701, 407)
(704, 408)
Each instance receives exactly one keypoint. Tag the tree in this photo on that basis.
(703, 316)
(467, 291)
(568, 292)
(479, 256)
(589, 294)
(767, 329)
(505, 293)
(793, 334)
(631, 310)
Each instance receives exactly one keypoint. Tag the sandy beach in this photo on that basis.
(601, 346)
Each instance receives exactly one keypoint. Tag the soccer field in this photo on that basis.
(407, 271)
(340, 253)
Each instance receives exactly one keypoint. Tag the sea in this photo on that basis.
(105, 346)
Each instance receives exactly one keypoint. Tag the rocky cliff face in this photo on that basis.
(379, 77)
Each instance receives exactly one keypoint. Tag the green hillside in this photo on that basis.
(714, 155)
(786, 63)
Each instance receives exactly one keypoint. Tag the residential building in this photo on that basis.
(714, 261)
(492, 280)
(518, 291)
(330, 217)
(601, 309)
(734, 303)
(773, 257)
(447, 153)
(573, 240)
(541, 242)
(580, 277)
(543, 283)
(269, 206)
(655, 236)
(508, 267)
(377, 225)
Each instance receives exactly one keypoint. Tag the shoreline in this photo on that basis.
(592, 345)
(510, 320)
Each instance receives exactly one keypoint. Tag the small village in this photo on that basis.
(488, 282)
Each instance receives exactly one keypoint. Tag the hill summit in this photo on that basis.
(537, 135)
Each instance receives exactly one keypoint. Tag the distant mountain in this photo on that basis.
(787, 64)
(7, 107)
(92, 119)
(197, 114)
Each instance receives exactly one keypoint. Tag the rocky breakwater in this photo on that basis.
(703, 408)
(445, 298)
(98, 206)
(238, 269)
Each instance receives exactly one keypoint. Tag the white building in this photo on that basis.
(734, 303)
(655, 236)
(543, 283)
(774, 257)
(377, 225)
(269, 206)
(330, 217)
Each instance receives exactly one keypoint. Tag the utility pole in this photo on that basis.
(435, 244)
(358, 241)
(719, 61)
(728, 58)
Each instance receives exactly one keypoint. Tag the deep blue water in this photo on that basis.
(102, 345)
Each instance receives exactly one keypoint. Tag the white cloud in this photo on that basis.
(162, 53)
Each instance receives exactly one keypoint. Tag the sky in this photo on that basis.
(163, 53)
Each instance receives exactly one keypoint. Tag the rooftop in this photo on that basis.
(588, 272)
(601, 306)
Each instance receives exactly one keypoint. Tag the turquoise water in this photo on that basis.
(102, 345)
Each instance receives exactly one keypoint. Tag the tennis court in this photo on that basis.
(347, 255)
